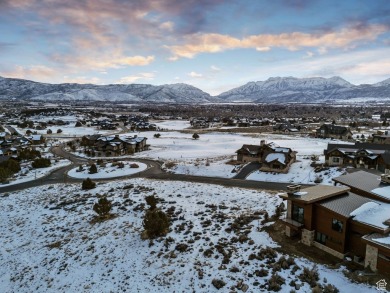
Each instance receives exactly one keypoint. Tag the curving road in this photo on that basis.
(153, 171)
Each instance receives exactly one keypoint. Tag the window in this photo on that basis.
(297, 214)
(337, 225)
(335, 159)
(321, 238)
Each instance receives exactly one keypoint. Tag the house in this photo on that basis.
(334, 131)
(36, 139)
(285, 127)
(272, 158)
(340, 222)
(381, 138)
(365, 184)
(359, 155)
(114, 145)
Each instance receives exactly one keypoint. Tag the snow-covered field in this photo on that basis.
(111, 170)
(300, 172)
(172, 124)
(208, 155)
(50, 245)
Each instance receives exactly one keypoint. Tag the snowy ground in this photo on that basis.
(67, 130)
(28, 175)
(300, 172)
(208, 155)
(110, 171)
(50, 245)
(172, 124)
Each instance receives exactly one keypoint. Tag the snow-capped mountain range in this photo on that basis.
(272, 90)
(311, 90)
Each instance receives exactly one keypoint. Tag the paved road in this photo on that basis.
(248, 169)
(154, 171)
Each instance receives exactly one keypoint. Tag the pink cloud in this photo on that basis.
(211, 43)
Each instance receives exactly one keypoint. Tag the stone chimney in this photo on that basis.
(291, 189)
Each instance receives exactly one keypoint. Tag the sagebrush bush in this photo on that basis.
(329, 288)
(275, 282)
(310, 276)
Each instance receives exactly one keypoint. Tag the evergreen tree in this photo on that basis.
(93, 169)
(156, 222)
(88, 184)
(102, 207)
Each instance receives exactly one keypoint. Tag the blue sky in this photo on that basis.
(214, 45)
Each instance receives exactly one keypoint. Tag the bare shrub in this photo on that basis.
(310, 276)
(275, 282)
(170, 164)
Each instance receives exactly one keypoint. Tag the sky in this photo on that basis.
(214, 45)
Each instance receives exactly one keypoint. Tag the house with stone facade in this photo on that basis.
(340, 222)
(359, 155)
(114, 145)
(272, 158)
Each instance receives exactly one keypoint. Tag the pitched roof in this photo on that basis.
(376, 215)
(358, 146)
(345, 204)
(280, 157)
(363, 181)
(250, 148)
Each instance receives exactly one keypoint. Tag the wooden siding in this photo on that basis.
(323, 223)
(383, 265)
(354, 238)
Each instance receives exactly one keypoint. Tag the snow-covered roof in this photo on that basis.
(373, 214)
(382, 191)
(384, 240)
(36, 137)
(280, 157)
(281, 150)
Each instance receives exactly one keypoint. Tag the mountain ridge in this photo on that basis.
(273, 90)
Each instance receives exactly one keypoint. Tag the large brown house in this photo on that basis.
(359, 155)
(272, 158)
(334, 131)
(114, 145)
(341, 223)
